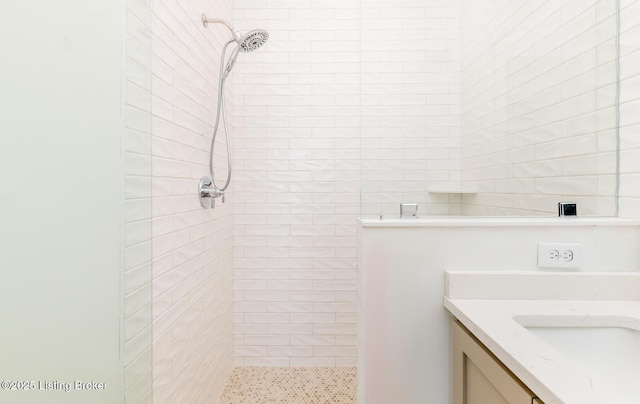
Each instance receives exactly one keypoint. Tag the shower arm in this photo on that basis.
(206, 21)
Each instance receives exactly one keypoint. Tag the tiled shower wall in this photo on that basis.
(192, 247)
(539, 93)
(296, 195)
(630, 108)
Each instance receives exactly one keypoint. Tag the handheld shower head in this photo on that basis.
(248, 43)
(252, 40)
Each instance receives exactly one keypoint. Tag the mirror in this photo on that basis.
(489, 108)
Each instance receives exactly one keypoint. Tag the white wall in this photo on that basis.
(61, 198)
(192, 275)
(296, 185)
(539, 93)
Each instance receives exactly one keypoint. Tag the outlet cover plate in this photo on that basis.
(559, 255)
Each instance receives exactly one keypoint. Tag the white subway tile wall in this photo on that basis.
(410, 105)
(137, 227)
(630, 108)
(296, 191)
(538, 106)
(192, 247)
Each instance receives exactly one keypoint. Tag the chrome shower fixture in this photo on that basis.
(249, 42)
(208, 189)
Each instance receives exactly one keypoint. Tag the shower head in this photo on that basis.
(248, 42)
(252, 40)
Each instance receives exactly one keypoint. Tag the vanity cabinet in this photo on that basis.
(479, 377)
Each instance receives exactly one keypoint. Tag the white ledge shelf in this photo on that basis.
(451, 189)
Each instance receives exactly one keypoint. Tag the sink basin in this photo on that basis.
(608, 353)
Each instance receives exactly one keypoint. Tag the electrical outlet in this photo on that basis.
(559, 255)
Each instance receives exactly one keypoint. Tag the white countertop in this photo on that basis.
(545, 370)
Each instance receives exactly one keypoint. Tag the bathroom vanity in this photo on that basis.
(548, 337)
(479, 377)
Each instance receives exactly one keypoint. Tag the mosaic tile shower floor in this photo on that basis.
(301, 385)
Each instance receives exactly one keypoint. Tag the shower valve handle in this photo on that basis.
(208, 193)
